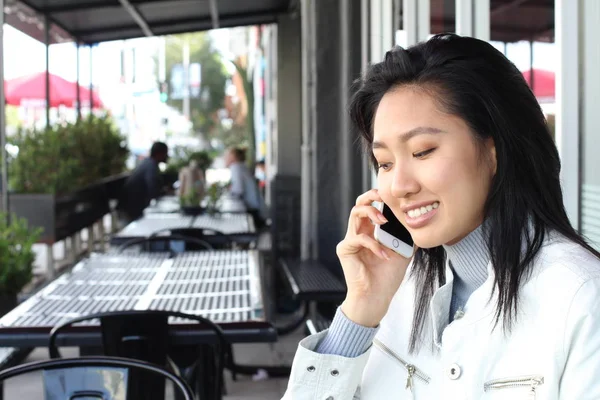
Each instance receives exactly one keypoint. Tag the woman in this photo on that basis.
(501, 299)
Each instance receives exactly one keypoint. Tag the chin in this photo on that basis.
(425, 241)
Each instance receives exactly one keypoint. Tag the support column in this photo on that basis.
(589, 25)
(78, 87)
(308, 240)
(350, 161)
(365, 40)
(47, 43)
(336, 162)
(473, 18)
(416, 20)
(3, 155)
(91, 81)
(283, 46)
(567, 103)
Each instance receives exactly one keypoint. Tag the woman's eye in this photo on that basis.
(384, 166)
(422, 154)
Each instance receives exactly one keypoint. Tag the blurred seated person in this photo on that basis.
(191, 182)
(144, 184)
(244, 186)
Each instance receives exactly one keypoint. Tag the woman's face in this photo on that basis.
(432, 174)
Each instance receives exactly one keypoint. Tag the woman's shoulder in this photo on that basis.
(565, 260)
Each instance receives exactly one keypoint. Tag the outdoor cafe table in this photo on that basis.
(222, 285)
(240, 227)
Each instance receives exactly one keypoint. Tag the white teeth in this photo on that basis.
(417, 212)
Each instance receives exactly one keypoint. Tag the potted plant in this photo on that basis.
(213, 196)
(190, 204)
(16, 258)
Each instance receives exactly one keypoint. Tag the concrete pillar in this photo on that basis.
(283, 92)
(332, 37)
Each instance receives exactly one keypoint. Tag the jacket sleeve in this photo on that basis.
(582, 345)
(324, 376)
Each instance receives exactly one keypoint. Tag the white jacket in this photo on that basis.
(552, 353)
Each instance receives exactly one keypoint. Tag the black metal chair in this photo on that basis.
(164, 242)
(144, 335)
(103, 378)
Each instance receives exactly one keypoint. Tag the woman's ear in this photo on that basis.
(491, 150)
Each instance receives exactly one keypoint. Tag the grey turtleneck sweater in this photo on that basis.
(468, 260)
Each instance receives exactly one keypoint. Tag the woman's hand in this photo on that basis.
(373, 272)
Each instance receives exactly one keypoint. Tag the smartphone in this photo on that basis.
(393, 234)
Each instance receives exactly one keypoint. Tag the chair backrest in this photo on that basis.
(88, 378)
(144, 335)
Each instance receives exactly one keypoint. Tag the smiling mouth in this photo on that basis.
(417, 212)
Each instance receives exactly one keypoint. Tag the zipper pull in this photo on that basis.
(409, 379)
(532, 392)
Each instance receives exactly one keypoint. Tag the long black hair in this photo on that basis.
(474, 81)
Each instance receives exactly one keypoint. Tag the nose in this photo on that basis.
(404, 183)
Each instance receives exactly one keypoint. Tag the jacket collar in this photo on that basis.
(479, 305)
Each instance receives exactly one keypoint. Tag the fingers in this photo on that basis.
(368, 197)
(356, 243)
(368, 212)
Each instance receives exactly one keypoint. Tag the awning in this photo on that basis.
(94, 21)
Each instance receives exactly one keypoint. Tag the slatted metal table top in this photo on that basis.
(153, 223)
(240, 226)
(225, 223)
(224, 286)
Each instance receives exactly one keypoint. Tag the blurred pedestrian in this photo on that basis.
(144, 184)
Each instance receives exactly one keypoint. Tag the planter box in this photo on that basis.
(62, 216)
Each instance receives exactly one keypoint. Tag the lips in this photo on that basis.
(419, 216)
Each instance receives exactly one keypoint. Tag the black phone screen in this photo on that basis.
(395, 228)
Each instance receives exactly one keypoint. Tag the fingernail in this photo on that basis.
(382, 218)
(385, 255)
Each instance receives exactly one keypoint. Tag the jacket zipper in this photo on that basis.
(531, 381)
(413, 372)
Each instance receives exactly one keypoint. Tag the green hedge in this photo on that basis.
(64, 158)
(16, 254)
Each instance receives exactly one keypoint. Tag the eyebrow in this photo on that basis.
(405, 137)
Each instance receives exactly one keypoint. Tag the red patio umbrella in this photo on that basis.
(543, 84)
(33, 88)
